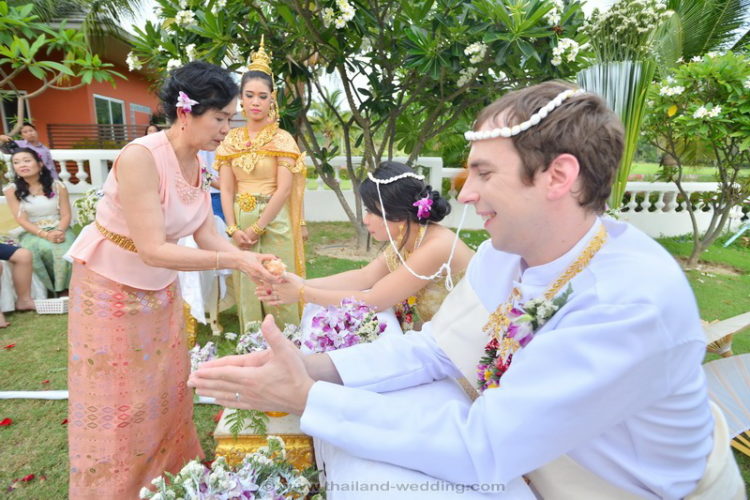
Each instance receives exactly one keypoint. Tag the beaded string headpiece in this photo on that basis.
(481, 135)
(445, 266)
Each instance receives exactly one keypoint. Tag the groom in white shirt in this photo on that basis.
(587, 373)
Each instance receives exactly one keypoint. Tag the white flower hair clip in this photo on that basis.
(184, 102)
(540, 115)
(394, 178)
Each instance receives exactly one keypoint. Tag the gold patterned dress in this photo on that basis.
(418, 309)
(254, 165)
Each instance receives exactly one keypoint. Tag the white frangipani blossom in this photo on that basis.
(190, 52)
(554, 15)
(566, 49)
(701, 112)
(476, 52)
(747, 83)
(173, 64)
(328, 16)
(696, 59)
(133, 62)
(185, 18)
(670, 91)
(466, 75)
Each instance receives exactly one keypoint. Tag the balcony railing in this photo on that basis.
(91, 135)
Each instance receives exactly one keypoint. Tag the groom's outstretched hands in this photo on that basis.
(270, 380)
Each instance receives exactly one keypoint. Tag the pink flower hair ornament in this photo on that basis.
(424, 206)
(184, 102)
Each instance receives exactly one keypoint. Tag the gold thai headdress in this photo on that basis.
(260, 60)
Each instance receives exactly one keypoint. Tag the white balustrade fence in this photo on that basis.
(654, 207)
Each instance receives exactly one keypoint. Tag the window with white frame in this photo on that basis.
(9, 109)
(109, 111)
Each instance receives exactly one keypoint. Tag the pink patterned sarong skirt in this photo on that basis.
(130, 411)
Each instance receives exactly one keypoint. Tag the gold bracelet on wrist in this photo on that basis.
(302, 292)
(257, 229)
(302, 223)
(230, 230)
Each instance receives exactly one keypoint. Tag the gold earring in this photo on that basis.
(273, 112)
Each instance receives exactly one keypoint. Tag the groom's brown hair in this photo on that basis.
(582, 126)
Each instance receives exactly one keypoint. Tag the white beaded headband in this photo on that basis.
(394, 178)
(540, 115)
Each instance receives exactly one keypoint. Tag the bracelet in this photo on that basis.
(303, 223)
(302, 292)
(257, 229)
(230, 230)
(216, 267)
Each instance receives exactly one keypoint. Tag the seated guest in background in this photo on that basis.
(41, 207)
(588, 371)
(22, 259)
(30, 139)
(21, 270)
(152, 129)
(410, 274)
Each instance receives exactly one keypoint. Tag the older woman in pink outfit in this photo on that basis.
(130, 412)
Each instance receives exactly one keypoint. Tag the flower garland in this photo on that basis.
(511, 327)
(206, 178)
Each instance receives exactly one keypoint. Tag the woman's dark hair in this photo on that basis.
(256, 75)
(45, 177)
(399, 196)
(210, 85)
(28, 124)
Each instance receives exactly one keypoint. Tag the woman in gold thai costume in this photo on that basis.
(262, 175)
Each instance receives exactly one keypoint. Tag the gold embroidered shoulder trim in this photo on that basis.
(262, 152)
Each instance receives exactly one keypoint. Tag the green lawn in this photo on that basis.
(36, 441)
(649, 172)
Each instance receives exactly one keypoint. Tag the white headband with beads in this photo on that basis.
(394, 178)
(540, 115)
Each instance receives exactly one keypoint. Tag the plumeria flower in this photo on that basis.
(190, 52)
(747, 83)
(133, 62)
(701, 112)
(173, 64)
(184, 18)
(465, 76)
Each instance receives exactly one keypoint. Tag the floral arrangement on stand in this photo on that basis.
(264, 474)
(86, 206)
(351, 323)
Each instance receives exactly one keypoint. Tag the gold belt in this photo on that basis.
(249, 201)
(118, 239)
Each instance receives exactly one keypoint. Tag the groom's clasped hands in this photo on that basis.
(271, 380)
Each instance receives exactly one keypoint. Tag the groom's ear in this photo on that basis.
(561, 176)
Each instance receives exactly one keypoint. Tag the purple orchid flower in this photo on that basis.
(424, 206)
(184, 102)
